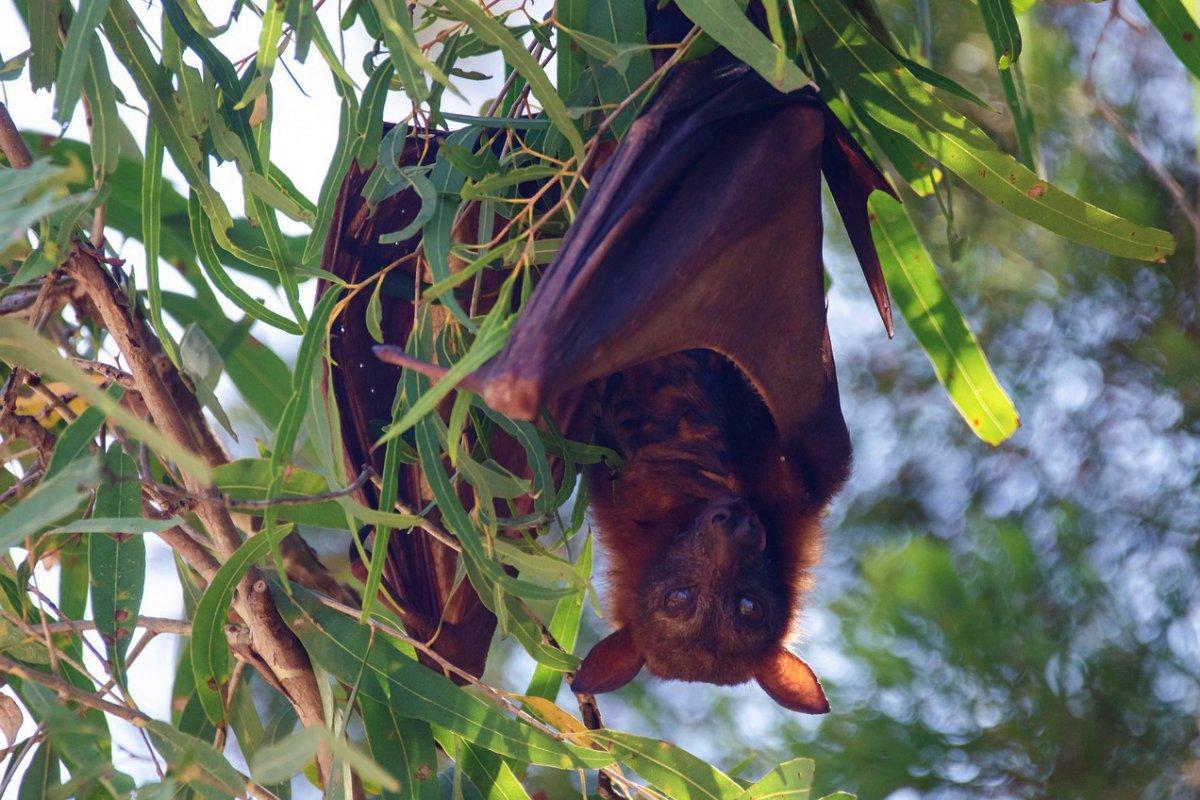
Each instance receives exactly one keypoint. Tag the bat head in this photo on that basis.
(712, 608)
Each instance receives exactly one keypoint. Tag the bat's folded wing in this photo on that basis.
(704, 231)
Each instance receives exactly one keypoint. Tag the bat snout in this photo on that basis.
(731, 521)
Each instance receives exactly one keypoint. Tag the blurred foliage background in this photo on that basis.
(1021, 621)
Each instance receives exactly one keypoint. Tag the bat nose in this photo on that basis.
(733, 519)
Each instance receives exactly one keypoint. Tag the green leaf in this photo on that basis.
(621, 26)
(312, 346)
(122, 30)
(339, 165)
(571, 15)
(209, 259)
(52, 500)
(490, 774)
(726, 22)
(73, 62)
(268, 50)
(940, 329)
(1002, 28)
(339, 645)
(460, 524)
(492, 31)
(869, 73)
(1178, 28)
(425, 190)
(20, 345)
(16, 643)
(388, 492)
(675, 771)
(374, 315)
(42, 776)
(436, 239)
(202, 364)
(80, 737)
(278, 762)
(259, 374)
(197, 764)
(209, 648)
(26, 197)
(940, 81)
(80, 434)
(11, 69)
(117, 561)
(107, 127)
(281, 196)
(135, 525)
(791, 780)
(406, 745)
(250, 478)
(486, 345)
(410, 64)
(564, 627)
(43, 40)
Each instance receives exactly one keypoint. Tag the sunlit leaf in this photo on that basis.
(340, 645)
(938, 325)
(866, 71)
(789, 781)
(726, 22)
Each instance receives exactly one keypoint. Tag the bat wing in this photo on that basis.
(704, 231)
(419, 572)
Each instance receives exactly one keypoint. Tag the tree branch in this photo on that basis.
(270, 636)
(11, 142)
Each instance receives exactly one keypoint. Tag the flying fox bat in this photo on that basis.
(686, 305)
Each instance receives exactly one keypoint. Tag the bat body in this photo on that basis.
(686, 308)
(708, 558)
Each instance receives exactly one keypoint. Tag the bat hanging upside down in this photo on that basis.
(686, 309)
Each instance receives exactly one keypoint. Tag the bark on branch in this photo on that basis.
(271, 638)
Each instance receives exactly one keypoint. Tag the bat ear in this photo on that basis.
(792, 683)
(611, 664)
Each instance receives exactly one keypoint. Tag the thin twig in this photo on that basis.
(11, 143)
(114, 374)
(67, 691)
(234, 503)
(32, 477)
(154, 625)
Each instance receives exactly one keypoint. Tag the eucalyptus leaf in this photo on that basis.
(53, 499)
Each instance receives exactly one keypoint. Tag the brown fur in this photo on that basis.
(691, 430)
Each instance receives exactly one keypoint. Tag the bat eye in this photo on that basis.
(677, 602)
(751, 611)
